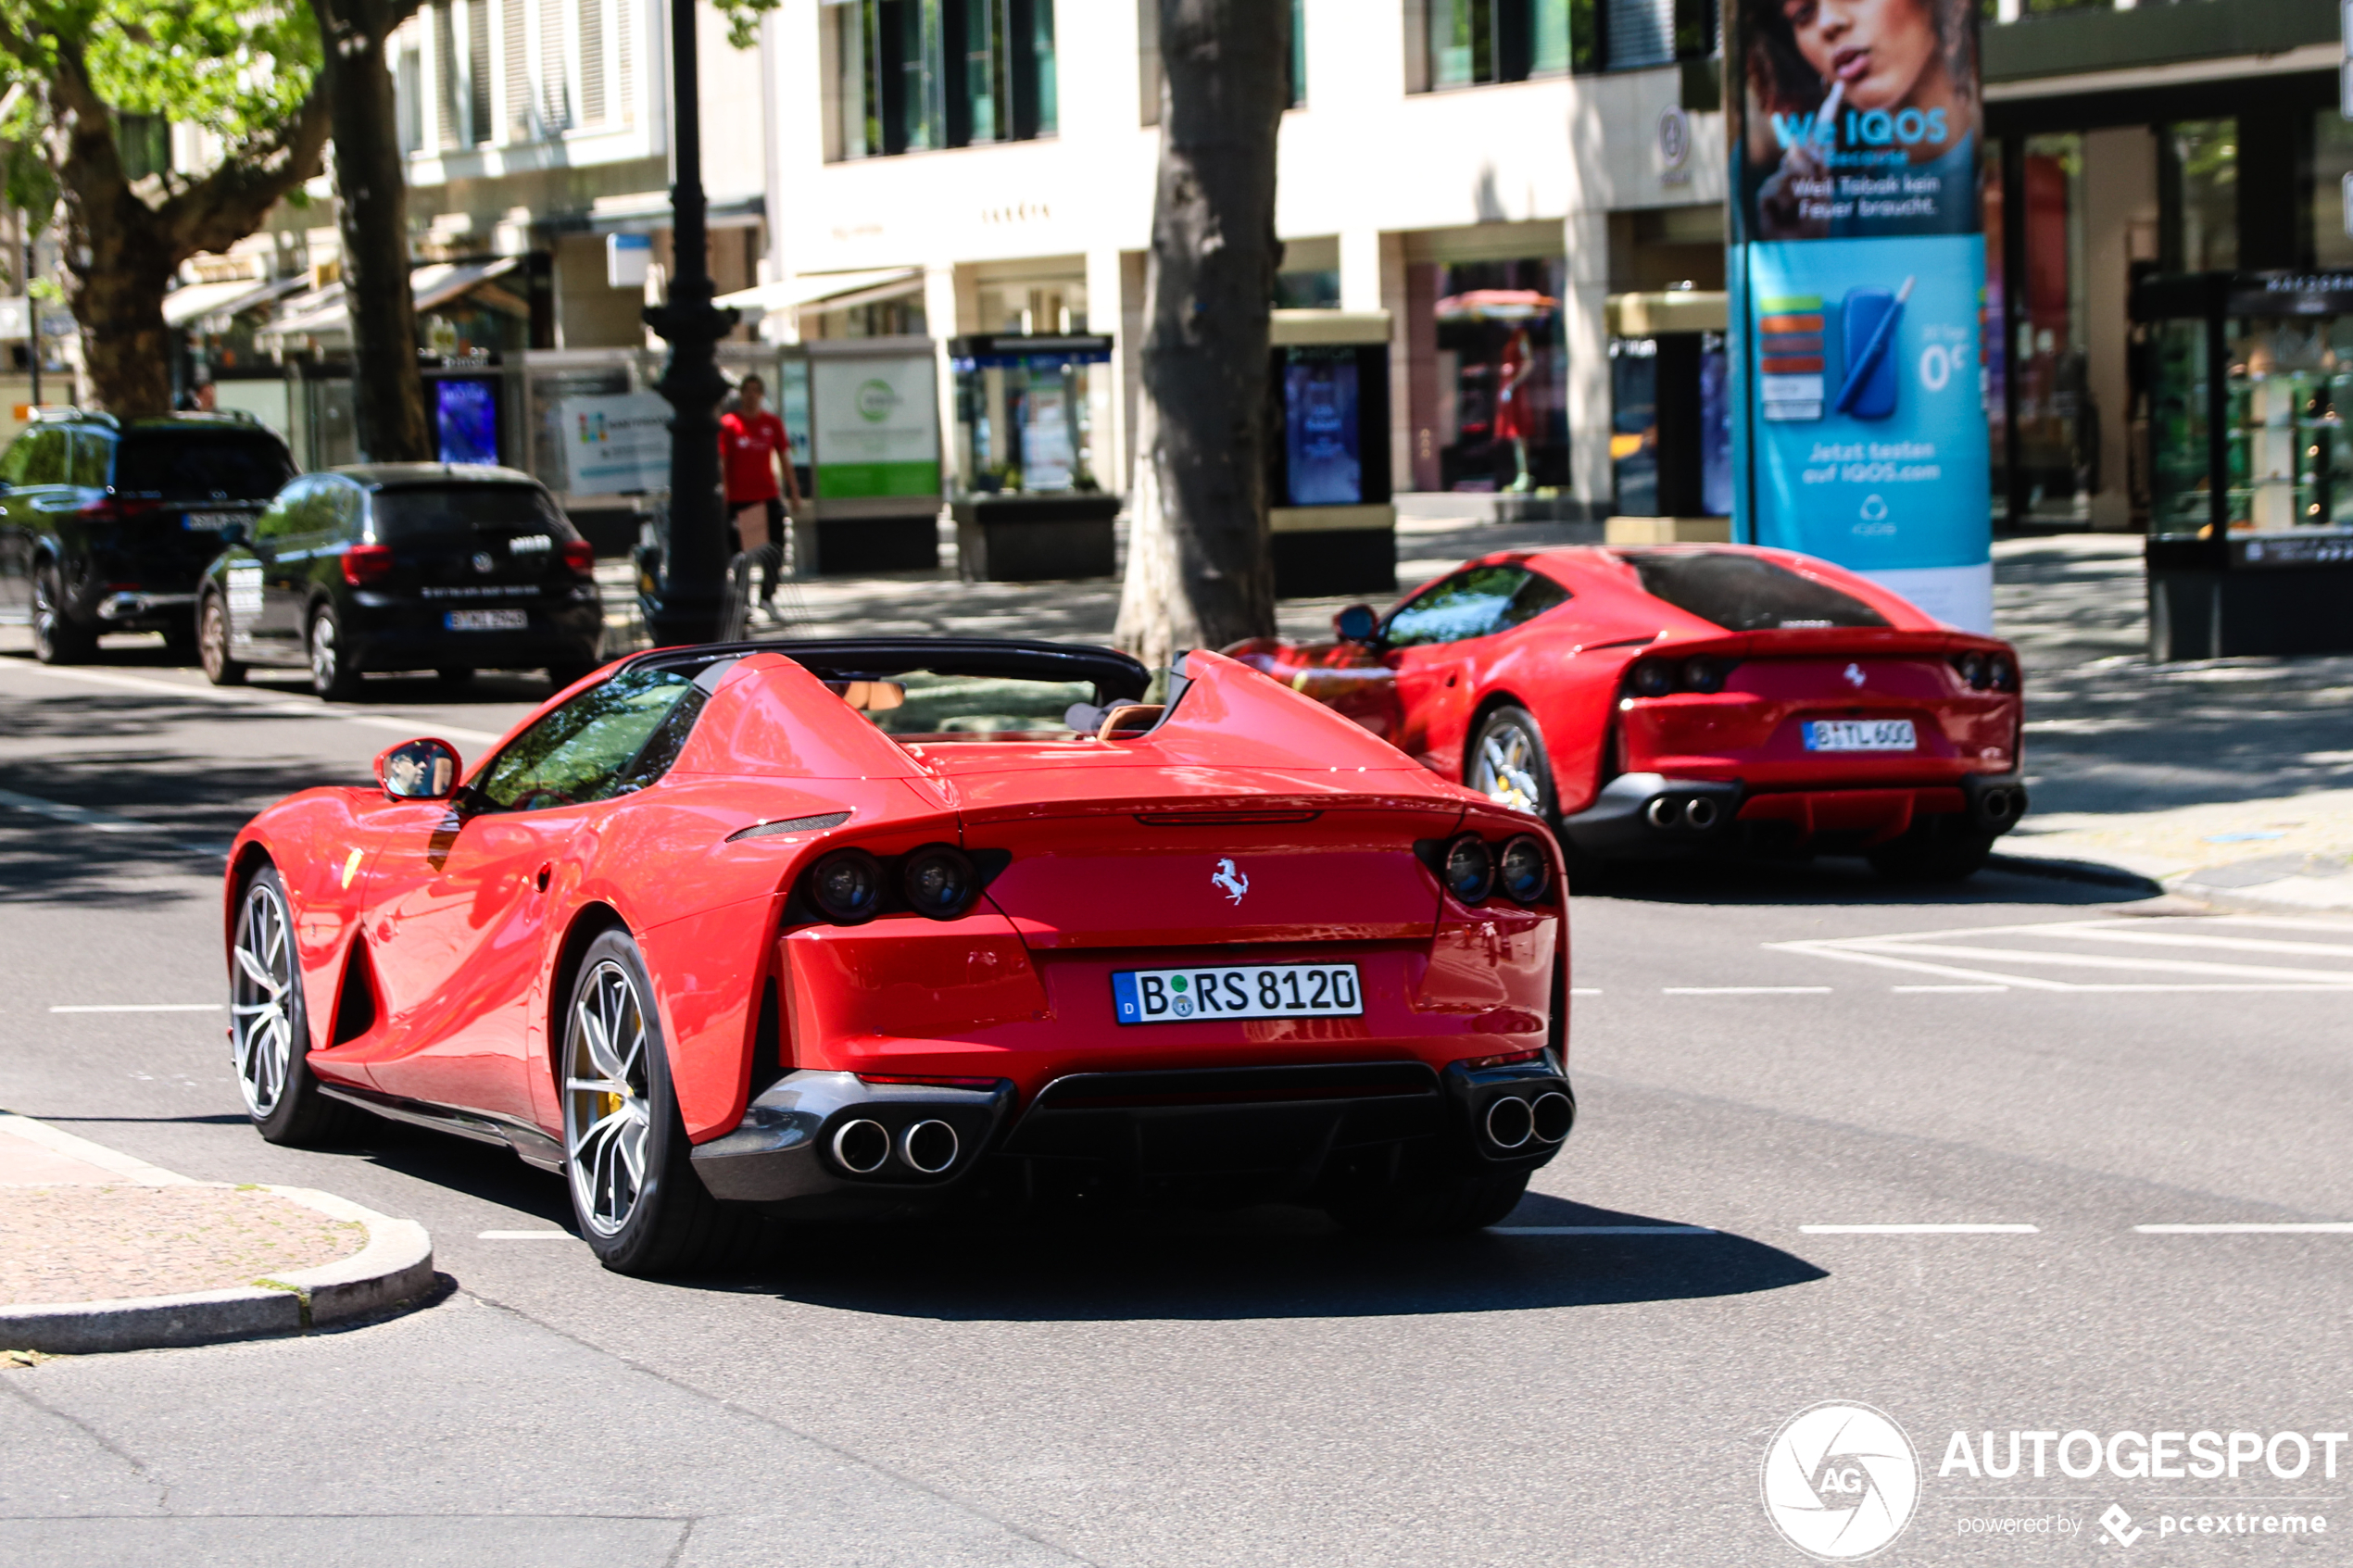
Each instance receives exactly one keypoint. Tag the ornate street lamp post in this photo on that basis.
(684, 607)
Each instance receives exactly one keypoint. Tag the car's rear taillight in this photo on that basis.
(363, 564)
(1661, 677)
(1986, 672)
(579, 555)
(118, 508)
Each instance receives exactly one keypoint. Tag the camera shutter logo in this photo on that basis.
(1841, 1481)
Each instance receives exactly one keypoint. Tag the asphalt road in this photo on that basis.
(1759, 1055)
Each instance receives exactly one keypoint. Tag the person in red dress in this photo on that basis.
(753, 449)
(1514, 420)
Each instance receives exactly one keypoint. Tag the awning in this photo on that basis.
(828, 290)
(199, 300)
(323, 313)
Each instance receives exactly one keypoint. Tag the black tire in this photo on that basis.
(1920, 857)
(270, 1024)
(332, 675)
(1506, 761)
(57, 639)
(212, 644)
(180, 641)
(1439, 1206)
(665, 1221)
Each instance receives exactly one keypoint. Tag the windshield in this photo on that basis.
(1743, 593)
(201, 465)
(930, 706)
(459, 514)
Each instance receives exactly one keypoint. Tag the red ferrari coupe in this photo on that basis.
(848, 928)
(1679, 699)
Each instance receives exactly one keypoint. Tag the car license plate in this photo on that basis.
(487, 620)
(1859, 734)
(1283, 990)
(212, 523)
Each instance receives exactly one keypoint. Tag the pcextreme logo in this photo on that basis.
(1841, 1481)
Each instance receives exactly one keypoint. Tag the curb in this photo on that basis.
(2090, 871)
(394, 1271)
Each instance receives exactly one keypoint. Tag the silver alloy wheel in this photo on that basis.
(1505, 769)
(324, 656)
(608, 1112)
(261, 998)
(212, 637)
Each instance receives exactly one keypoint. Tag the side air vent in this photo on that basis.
(792, 824)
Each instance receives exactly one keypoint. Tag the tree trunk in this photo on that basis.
(1198, 568)
(388, 395)
(118, 300)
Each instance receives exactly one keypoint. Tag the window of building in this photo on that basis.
(2332, 166)
(2198, 195)
(1472, 43)
(915, 75)
(476, 72)
(1150, 79)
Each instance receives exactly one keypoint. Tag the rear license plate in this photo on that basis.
(212, 523)
(1283, 990)
(487, 620)
(1859, 734)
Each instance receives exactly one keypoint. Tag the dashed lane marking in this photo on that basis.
(2316, 1227)
(100, 822)
(1745, 990)
(144, 1006)
(2022, 956)
(1602, 1230)
(258, 703)
(1919, 1230)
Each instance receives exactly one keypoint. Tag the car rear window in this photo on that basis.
(459, 514)
(201, 465)
(1743, 593)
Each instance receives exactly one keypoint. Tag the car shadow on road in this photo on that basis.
(1850, 882)
(417, 687)
(1260, 1262)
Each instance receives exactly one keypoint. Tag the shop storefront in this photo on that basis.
(1487, 345)
(1030, 503)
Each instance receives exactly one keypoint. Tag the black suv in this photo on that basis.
(105, 525)
(403, 566)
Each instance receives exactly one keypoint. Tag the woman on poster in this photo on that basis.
(1862, 117)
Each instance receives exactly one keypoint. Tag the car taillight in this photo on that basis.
(579, 555)
(1986, 672)
(1661, 677)
(117, 509)
(364, 563)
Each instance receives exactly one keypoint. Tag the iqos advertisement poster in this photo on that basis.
(1857, 282)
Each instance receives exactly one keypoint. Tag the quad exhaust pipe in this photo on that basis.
(1514, 1123)
(1667, 812)
(862, 1147)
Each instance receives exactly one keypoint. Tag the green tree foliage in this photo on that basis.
(91, 71)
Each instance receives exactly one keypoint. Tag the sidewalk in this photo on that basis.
(100, 1251)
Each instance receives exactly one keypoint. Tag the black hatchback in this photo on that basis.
(403, 566)
(105, 524)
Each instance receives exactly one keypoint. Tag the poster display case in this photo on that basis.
(1030, 505)
(874, 492)
(2250, 385)
(1334, 527)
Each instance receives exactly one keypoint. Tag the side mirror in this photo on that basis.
(418, 769)
(1358, 623)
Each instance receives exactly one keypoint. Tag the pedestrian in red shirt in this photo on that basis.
(752, 448)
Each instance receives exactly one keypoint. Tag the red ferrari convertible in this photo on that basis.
(1674, 700)
(848, 928)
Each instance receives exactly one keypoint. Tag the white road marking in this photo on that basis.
(1601, 1229)
(1945, 990)
(1746, 990)
(1919, 1230)
(522, 1235)
(2317, 1227)
(129, 1168)
(145, 1007)
(1994, 956)
(98, 821)
(1584, 990)
(272, 703)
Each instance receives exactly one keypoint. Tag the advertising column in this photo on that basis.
(1858, 276)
